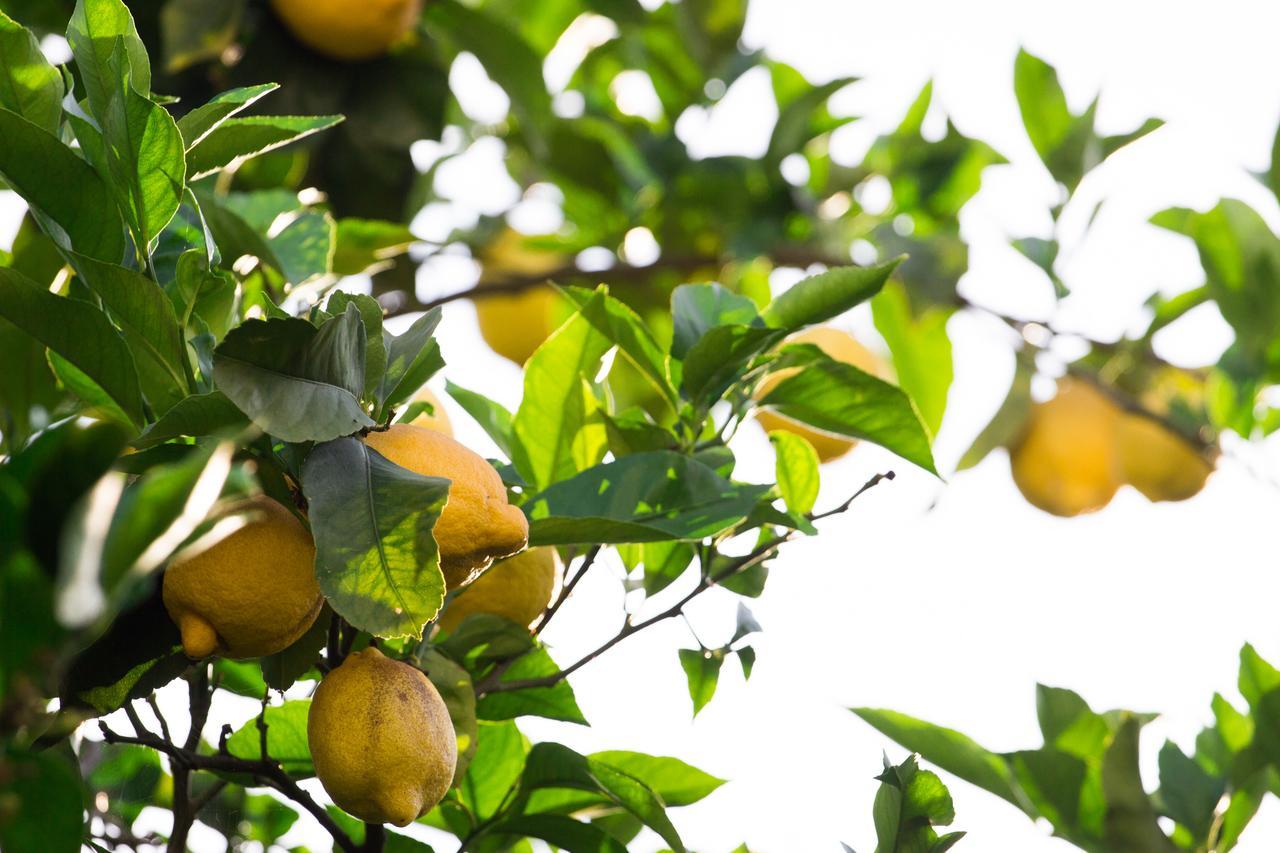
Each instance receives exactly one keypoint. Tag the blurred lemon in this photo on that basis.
(252, 593)
(349, 30)
(840, 346)
(381, 738)
(478, 525)
(518, 589)
(514, 325)
(1066, 461)
(1157, 462)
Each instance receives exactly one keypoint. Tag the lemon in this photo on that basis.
(518, 589)
(1157, 462)
(514, 325)
(840, 346)
(1066, 461)
(349, 30)
(251, 593)
(478, 525)
(438, 419)
(381, 739)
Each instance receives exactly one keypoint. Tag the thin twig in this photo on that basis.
(164, 724)
(565, 590)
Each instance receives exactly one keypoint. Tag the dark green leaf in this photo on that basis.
(1188, 794)
(197, 124)
(197, 416)
(376, 558)
(282, 669)
(375, 352)
(194, 31)
(698, 308)
(556, 702)
(564, 833)
(720, 358)
(236, 139)
(412, 358)
(44, 802)
(1130, 818)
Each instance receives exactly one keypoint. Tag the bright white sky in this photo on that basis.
(951, 601)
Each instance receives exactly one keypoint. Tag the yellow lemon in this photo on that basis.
(518, 589)
(1157, 462)
(841, 346)
(1066, 460)
(516, 324)
(438, 419)
(349, 30)
(478, 525)
(381, 739)
(251, 593)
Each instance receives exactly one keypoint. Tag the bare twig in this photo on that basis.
(164, 724)
(762, 552)
(375, 838)
(567, 589)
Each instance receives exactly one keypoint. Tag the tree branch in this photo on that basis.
(761, 553)
(565, 590)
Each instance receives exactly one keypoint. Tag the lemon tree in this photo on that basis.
(222, 473)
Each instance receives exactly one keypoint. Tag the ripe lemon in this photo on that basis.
(1158, 463)
(478, 524)
(517, 589)
(515, 325)
(438, 419)
(841, 346)
(349, 30)
(381, 739)
(1066, 461)
(250, 594)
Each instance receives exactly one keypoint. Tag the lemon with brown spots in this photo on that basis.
(348, 30)
(381, 739)
(518, 589)
(250, 594)
(1066, 462)
(478, 524)
(840, 346)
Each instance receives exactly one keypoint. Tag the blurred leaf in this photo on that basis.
(376, 557)
(702, 669)
(826, 295)
(1130, 820)
(796, 469)
(1008, 421)
(197, 415)
(365, 245)
(556, 702)
(1043, 104)
(454, 685)
(1187, 793)
(286, 738)
(241, 138)
(840, 398)
(645, 497)
(44, 802)
(294, 381)
(194, 31)
(78, 332)
(803, 116)
(29, 85)
(921, 350)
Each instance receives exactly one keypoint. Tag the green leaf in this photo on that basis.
(1059, 785)
(236, 139)
(375, 352)
(304, 248)
(551, 765)
(492, 417)
(484, 638)
(698, 308)
(44, 802)
(197, 415)
(97, 403)
(840, 398)
(376, 558)
(620, 324)
(295, 381)
(558, 429)
(908, 804)
(950, 750)
(1007, 423)
(495, 768)
(286, 738)
(556, 702)
(1043, 104)
(1257, 677)
(459, 695)
(78, 332)
(107, 50)
(507, 58)
(70, 200)
(720, 358)
(194, 31)
(1112, 144)
(27, 386)
(369, 245)
(677, 783)
(151, 328)
(664, 562)
(921, 350)
(29, 85)
(198, 123)
(1130, 818)
(645, 497)
(412, 358)
(796, 468)
(562, 832)
(1188, 794)
(282, 669)
(828, 294)
(702, 669)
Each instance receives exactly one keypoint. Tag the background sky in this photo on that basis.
(948, 601)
